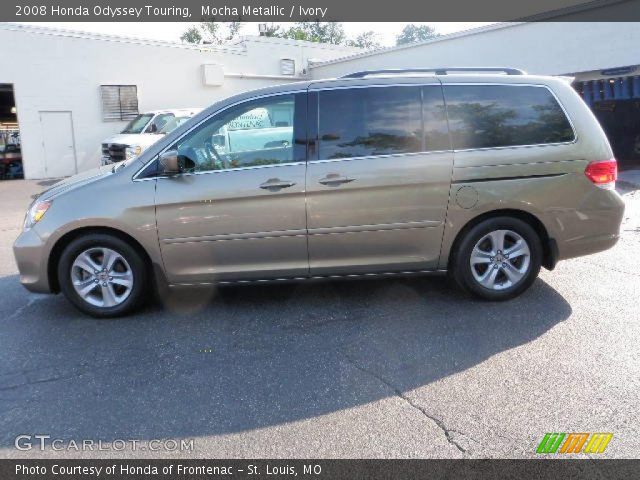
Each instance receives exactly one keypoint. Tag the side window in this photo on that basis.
(159, 122)
(259, 132)
(486, 116)
(436, 132)
(363, 122)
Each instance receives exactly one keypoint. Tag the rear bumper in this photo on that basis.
(29, 251)
(592, 227)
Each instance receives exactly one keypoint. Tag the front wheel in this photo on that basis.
(498, 259)
(102, 275)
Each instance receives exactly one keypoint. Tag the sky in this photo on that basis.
(387, 31)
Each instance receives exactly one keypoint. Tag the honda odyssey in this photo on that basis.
(487, 174)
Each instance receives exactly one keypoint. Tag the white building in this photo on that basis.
(55, 77)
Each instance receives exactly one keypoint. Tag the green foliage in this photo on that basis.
(322, 32)
(416, 33)
(212, 32)
(367, 40)
(191, 35)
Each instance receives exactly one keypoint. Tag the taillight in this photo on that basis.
(603, 173)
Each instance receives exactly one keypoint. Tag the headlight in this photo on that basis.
(35, 213)
(133, 151)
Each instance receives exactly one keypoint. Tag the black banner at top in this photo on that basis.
(322, 10)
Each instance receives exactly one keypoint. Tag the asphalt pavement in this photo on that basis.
(377, 368)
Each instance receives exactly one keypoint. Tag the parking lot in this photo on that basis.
(376, 368)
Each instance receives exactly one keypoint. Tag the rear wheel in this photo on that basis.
(102, 275)
(498, 259)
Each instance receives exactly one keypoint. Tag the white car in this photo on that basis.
(142, 132)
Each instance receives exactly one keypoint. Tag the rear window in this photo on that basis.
(489, 116)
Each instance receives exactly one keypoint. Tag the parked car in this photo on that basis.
(11, 162)
(141, 132)
(485, 175)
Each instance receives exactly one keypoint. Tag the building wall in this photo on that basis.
(53, 70)
(547, 48)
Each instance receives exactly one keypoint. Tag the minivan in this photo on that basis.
(487, 174)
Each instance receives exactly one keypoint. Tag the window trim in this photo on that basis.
(139, 175)
(496, 84)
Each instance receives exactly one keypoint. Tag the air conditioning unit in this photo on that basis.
(212, 74)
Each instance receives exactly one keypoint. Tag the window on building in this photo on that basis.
(489, 116)
(119, 102)
(362, 122)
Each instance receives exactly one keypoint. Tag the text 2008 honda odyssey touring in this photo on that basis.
(486, 175)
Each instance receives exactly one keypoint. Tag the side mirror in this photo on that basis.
(169, 163)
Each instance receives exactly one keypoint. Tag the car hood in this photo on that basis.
(81, 179)
(142, 139)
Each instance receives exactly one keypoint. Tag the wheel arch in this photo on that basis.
(549, 246)
(67, 238)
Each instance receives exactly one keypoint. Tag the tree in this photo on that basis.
(212, 32)
(191, 35)
(272, 30)
(322, 32)
(367, 40)
(416, 33)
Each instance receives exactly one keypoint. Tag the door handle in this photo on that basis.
(276, 184)
(335, 179)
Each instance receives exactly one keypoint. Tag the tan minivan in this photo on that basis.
(485, 173)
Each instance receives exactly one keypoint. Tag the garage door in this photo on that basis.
(58, 143)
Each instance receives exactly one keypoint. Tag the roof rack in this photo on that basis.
(437, 71)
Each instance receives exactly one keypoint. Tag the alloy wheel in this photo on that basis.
(102, 277)
(500, 259)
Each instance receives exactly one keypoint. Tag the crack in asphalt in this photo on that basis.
(43, 380)
(439, 423)
(18, 311)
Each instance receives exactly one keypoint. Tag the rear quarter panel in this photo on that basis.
(546, 181)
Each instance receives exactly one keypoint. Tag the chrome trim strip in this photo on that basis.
(207, 172)
(375, 228)
(236, 236)
(389, 155)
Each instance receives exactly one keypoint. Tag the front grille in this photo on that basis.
(115, 152)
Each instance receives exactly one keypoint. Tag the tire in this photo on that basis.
(117, 291)
(502, 278)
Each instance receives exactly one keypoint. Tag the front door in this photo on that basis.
(378, 188)
(58, 143)
(238, 211)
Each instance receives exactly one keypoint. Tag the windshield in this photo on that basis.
(173, 124)
(137, 124)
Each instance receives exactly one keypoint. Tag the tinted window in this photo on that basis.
(482, 116)
(436, 133)
(369, 121)
(259, 132)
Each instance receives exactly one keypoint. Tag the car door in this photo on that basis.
(378, 184)
(238, 210)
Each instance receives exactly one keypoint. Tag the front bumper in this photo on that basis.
(31, 257)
